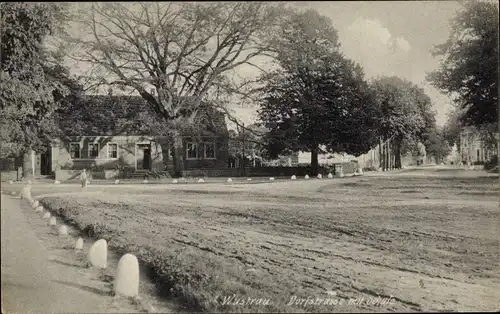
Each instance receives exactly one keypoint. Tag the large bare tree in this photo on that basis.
(174, 55)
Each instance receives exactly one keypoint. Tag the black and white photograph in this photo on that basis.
(250, 157)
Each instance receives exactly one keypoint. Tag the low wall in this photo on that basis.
(347, 167)
(74, 175)
(8, 175)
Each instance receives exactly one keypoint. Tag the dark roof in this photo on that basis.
(98, 115)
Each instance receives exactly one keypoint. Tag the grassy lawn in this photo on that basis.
(428, 242)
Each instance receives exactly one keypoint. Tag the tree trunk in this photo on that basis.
(385, 155)
(165, 152)
(389, 155)
(27, 164)
(314, 162)
(380, 154)
(398, 154)
(177, 154)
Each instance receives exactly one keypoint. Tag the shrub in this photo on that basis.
(492, 164)
(99, 230)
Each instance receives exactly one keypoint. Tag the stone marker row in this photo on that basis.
(127, 273)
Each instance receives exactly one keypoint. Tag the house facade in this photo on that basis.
(473, 148)
(136, 152)
(110, 134)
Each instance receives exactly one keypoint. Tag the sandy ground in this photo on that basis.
(41, 273)
(427, 239)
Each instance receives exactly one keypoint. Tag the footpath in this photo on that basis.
(32, 282)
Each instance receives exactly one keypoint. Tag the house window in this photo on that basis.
(191, 151)
(209, 150)
(112, 150)
(74, 150)
(94, 150)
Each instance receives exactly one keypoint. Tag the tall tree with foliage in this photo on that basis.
(175, 55)
(317, 98)
(453, 126)
(404, 108)
(469, 71)
(29, 93)
(436, 145)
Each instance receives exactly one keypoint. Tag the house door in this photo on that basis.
(46, 162)
(143, 157)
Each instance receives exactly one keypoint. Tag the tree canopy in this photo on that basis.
(317, 97)
(174, 55)
(469, 71)
(29, 93)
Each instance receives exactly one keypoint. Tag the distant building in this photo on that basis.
(472, 147)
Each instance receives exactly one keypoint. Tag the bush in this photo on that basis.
(492, 164)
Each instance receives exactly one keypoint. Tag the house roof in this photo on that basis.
(98, 115)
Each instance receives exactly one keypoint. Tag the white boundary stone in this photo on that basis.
(127, 276)
(201, 181)
(249, 179)
(330, 176)
(46, 216)
(52, 221)
(35, 204)
(117, 181)
(306, 176)
(271, 179)
(39, 209)
(57, 182)
(79, 244)
(98, 254)
(63, 230)
(320, 176)
(145, 181)
(229, 180)
(293, 177)
(174, 181)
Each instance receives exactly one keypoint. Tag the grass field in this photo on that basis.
(427, 241)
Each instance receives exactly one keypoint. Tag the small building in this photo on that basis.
(472, 146)
(110, 134)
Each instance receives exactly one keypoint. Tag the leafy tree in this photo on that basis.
(29, 94)
(453, 127)
(251, 144)
(469, 71)
(317, 97)
(402, 107)
(437, 146)
(174, 55)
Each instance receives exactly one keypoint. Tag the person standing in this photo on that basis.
(83, 178)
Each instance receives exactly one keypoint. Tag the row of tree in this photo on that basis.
(469, 73)
(178, 56)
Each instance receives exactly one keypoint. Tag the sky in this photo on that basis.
(387, 38)
(390, 38)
